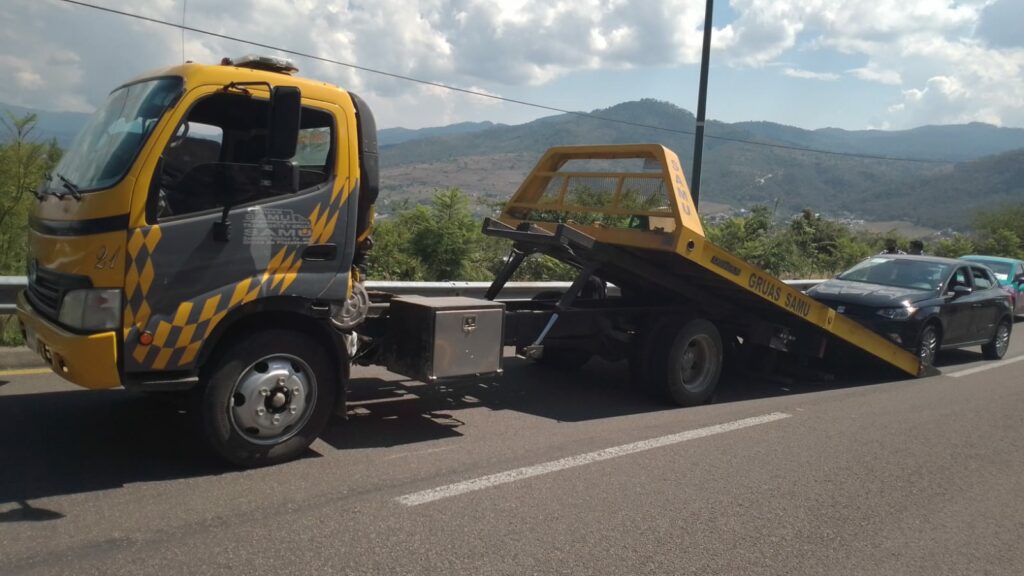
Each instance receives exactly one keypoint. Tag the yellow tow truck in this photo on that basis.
(205, 231)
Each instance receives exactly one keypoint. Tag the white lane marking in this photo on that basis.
(988, 366)
(425, 496)
(419, 453)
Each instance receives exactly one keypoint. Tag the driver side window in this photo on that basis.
(959, 278)
(216, 156)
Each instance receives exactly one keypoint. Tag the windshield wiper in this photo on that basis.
(69, 186)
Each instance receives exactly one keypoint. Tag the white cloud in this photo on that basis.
(809, 75)
(64, 57)
(873, 73)
(923, 48)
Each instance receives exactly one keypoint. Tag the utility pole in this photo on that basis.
(702, 97)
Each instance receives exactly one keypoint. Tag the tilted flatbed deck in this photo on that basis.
(639, 229)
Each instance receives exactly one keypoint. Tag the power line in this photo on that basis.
(470, 92)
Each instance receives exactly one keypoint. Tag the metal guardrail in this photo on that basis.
(11, 285)
(9, 288)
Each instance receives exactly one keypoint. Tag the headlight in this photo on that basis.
(901, 313)
(93, 309)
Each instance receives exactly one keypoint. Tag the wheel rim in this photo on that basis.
(695, 366)
(272, 399)
(1002, 338)
(929, 343)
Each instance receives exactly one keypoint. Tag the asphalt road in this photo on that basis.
(535, 473)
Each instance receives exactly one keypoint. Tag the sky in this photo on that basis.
(853, 64)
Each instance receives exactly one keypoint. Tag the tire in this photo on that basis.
(996, 349)
(694, 364)
(267, 398)
(928, 343)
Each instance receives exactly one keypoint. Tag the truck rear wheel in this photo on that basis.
(267, 398)
(680, 359)
(694, 363)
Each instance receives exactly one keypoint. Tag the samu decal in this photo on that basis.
(277, 227)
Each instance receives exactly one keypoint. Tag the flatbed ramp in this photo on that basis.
(624, 213)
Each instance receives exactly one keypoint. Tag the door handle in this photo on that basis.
(977, 305)
(320, 252)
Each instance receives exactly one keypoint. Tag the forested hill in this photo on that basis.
(490, 162)
(944, 198)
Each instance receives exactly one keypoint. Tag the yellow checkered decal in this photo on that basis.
(139, 276)
(176, 342)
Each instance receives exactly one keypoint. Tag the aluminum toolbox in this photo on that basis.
(431, 338)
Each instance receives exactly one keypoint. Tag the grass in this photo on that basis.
(10, 332)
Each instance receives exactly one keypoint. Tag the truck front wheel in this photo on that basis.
(267, 397)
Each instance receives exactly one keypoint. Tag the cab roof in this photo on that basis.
(217, 74)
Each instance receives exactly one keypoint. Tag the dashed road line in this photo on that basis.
(988, 366)
(439, 493)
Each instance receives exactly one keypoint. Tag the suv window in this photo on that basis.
(982, 279)
(217, 151)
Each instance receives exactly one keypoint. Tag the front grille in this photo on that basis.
(851, 310)
(46, 289)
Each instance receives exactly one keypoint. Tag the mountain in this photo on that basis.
(948, 197)
(60, 125)
(489, 163)
(389, 136)
(957, 168)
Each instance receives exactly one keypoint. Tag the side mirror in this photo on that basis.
(1018, 278)
(959, 291)
(285, 116)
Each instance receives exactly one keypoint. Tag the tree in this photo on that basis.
(440, 242)
(954, 247)
(757, 239)
(23, 163)
(1000, 232)
(1000, 242)
(443, 237)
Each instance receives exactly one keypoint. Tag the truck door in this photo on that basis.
(220, 234)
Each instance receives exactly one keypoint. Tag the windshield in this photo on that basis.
(109, 142)
(918, 274)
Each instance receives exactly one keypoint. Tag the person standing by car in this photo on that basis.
(891, 247)
(916, 248)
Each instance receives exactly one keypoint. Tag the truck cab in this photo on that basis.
(207, 223)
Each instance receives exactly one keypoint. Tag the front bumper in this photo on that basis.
(88, 360)
(904, 333)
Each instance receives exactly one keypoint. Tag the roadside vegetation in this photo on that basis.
(442, 241)
(23, 161)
